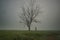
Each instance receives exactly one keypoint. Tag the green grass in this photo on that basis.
(26, 35)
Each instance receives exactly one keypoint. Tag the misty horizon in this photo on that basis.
(10, 9)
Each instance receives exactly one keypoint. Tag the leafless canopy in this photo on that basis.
(28, 14)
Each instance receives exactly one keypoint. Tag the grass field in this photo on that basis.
(26, 35)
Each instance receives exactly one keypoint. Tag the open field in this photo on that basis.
(26, 35)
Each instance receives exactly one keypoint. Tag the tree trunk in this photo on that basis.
(28, 28)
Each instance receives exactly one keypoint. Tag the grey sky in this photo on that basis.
(9, 10)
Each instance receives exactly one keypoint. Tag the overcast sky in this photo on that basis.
(10, 9)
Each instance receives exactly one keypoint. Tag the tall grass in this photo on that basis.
(26, 35)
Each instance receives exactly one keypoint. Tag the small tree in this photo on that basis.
(35, 28)
(29, 14)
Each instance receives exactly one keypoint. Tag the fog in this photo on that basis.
(10, 9)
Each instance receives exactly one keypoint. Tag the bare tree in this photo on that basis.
(29, 14)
